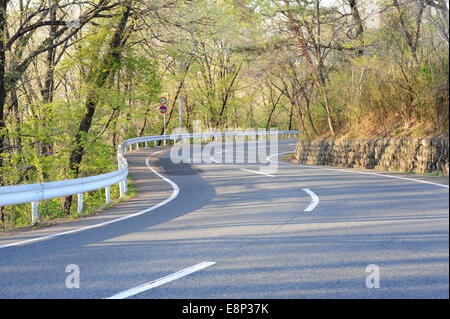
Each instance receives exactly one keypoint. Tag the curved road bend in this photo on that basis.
(225, 231)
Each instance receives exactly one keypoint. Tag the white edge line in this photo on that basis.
(161, 281)
(213, 159)
(244, 169)
(314, 200)
(356, 172)
(256, 172)
(174, 194)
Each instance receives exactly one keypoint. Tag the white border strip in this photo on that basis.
(256, 172)
(356, 172)
(161, 281)
(174, 194)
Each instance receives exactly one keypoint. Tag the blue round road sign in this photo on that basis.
(163, 109)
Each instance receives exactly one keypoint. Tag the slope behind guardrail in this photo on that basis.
(34, 193)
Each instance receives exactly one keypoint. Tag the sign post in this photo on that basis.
(164, 114)
(163, 110)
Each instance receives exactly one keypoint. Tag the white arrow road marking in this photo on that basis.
(314, 200)
(162, 281)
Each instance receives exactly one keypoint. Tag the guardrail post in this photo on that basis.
(125, 186)
(34, 213)
(137, 146)
(121, 189)
(80, 203)
(108, 194)
(146, 145)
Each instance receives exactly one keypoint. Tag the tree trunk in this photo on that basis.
(319, 81)
(3, 5)
(47, 90)
(358, 26)
(274, 105)
(291, 114)
(227, 94)
(110, 59)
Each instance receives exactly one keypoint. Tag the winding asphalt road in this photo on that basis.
(227, 231)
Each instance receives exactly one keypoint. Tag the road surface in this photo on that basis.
(213, 230)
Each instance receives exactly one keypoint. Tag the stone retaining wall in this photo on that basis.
(420, 155)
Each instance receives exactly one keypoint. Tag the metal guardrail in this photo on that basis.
(34, 193)
(145, 139)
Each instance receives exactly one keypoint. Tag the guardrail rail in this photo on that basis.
(34, 193)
